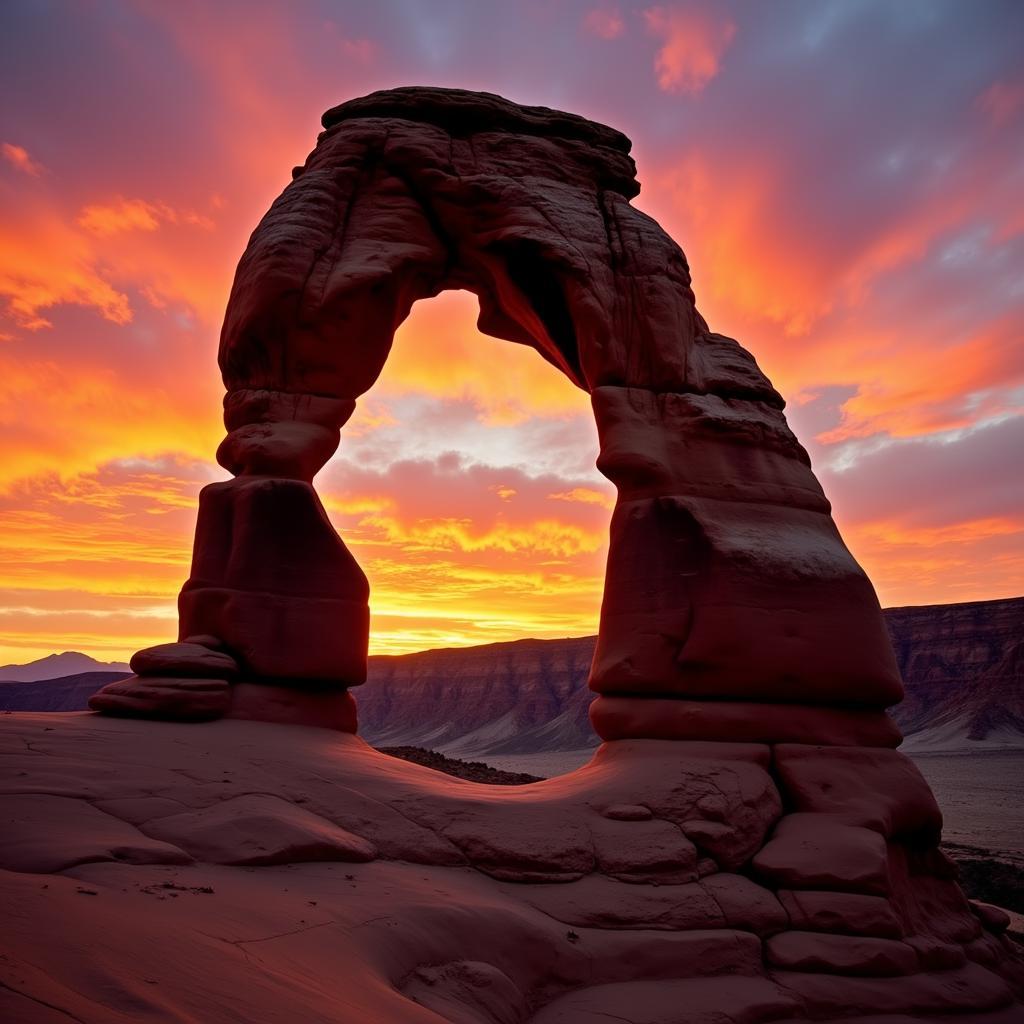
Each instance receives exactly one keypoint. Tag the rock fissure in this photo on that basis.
(41, 1002)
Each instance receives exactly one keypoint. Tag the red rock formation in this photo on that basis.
(732, 610)
(726, 575)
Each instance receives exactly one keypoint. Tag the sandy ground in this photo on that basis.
(981, 794)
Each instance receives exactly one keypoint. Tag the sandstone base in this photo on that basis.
(241, 871)
(293, 705)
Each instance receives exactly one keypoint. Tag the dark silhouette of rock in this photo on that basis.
(742, 665)
(474, 771)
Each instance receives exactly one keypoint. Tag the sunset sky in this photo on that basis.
(846, 179)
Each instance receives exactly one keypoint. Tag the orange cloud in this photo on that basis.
(694, 43)
(755, 259)
(751, 259)
(17, 156)
(459, 553)
(586, 495)
(67, 416)
(805, 297)
(135, 215)
(974, 560)
(544, 537)
(95, 560)
(604, 22)
(124, 215)
(46, 261)
(927, 391)
(44, 264)
(438, 351)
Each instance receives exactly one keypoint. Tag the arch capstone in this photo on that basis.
(742, 667)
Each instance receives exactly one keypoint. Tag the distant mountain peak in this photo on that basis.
(53, 665)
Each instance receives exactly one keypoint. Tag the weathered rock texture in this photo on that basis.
(245, 871)
(742, 663)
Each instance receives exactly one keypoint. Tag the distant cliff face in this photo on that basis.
(963, 670)
(500, 698)
(962, 666)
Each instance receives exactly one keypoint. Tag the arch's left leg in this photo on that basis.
(274, 594)
(274, 619)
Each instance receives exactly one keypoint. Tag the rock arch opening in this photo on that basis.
(465, 486)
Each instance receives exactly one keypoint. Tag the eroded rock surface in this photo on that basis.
(251, 871)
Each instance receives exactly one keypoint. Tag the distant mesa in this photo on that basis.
(745, 845)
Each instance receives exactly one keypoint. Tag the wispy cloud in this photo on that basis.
(604, 22)
(105, 219)
(1002, 102)
(17, 157)
(694, 42)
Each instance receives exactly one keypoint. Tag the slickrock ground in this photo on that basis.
(243, 871)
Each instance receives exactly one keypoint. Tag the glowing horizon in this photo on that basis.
(862, 237)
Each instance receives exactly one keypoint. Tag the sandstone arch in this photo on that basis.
(792, 858)
(726, 576)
